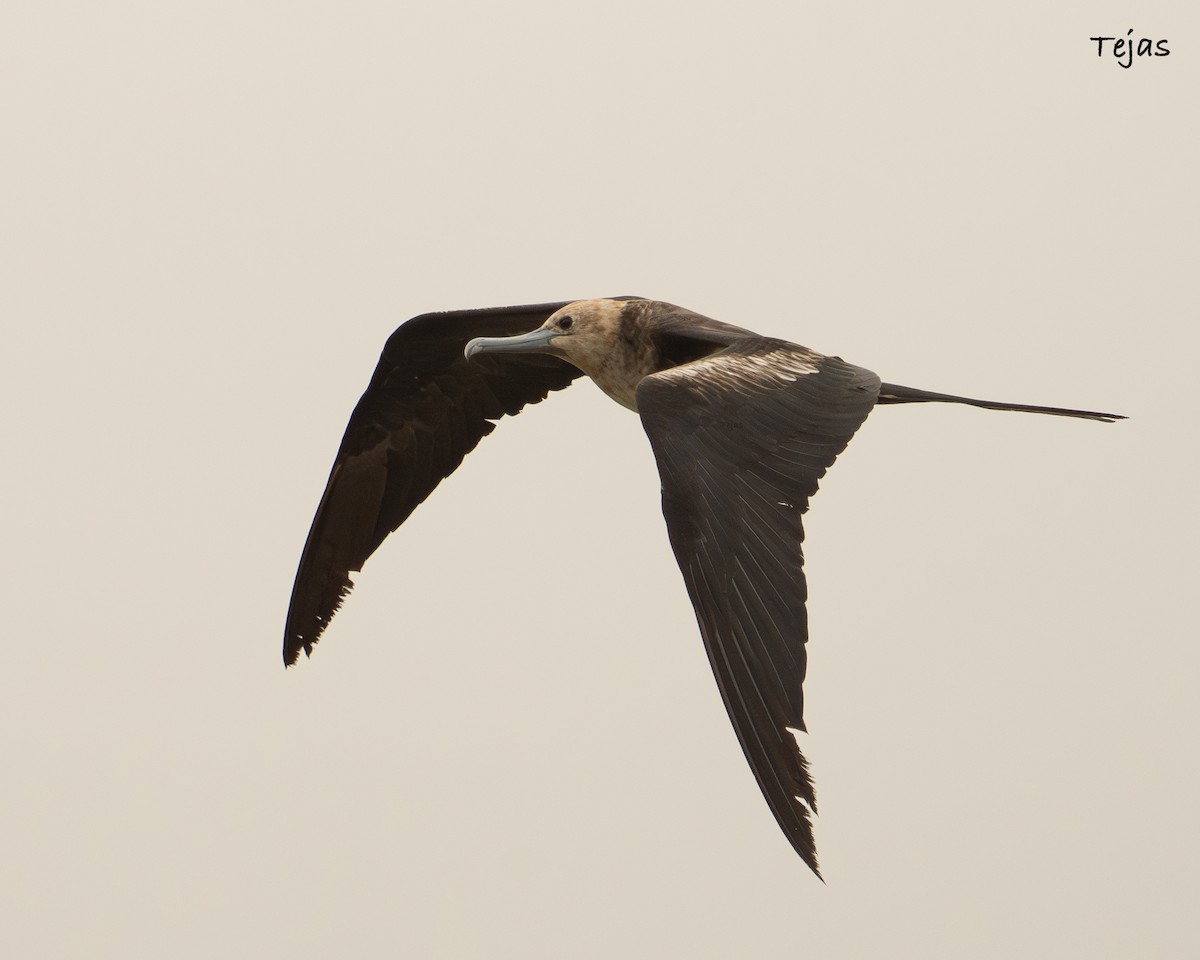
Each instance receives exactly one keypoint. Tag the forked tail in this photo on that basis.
(891, 393)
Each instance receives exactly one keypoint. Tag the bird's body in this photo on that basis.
(742, 427)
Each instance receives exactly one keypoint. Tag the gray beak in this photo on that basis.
(537, 341)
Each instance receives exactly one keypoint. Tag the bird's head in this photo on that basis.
(585, 333)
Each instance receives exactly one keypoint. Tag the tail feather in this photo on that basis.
(893, 393)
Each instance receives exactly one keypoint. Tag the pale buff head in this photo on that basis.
(588, 333)
(600, 337)
(591, 334)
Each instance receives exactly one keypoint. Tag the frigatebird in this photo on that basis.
(742, 427)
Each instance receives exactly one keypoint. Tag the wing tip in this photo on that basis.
(803, 842)
(296, 639)
(291, 652)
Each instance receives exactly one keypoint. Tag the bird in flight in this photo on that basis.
(742, 427)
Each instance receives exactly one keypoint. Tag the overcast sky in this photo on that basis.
(509, 743)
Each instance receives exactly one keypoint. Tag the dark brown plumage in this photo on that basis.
(742, 427)
(425, 408)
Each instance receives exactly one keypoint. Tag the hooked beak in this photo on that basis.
(537, 341)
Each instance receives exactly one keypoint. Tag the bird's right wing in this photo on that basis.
(425, 409)
(741, 438)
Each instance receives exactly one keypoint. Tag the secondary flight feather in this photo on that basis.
(742, 427)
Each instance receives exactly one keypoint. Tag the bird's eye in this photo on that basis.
(565, 323)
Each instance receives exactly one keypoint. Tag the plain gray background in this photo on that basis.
(509, 744)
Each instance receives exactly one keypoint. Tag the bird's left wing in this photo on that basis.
(426, 408)
(741, 438)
